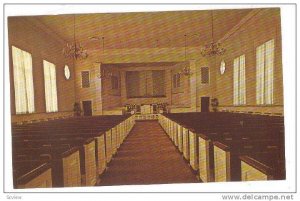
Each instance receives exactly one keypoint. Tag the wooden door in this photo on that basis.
(87, 108)
(204, 104)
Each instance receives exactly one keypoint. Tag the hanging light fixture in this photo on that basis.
(74, 50)
(102, 73)
(186, 69)
(212, 49)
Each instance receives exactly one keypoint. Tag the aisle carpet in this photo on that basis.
(147, 156)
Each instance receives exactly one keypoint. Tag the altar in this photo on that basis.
(146, 109)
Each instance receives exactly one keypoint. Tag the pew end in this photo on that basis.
(265, 166)
(221, 162)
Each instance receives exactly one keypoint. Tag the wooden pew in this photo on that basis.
(108, 146)
(87, 155)
(226, 156)
(180, 138)
(65, 166)
(90, 171)
(185, 143)
(35, 141)
(100, 154)
(206, 150)
(33, 132)
(193, 149)
(32, 174)
(262, 166)
(209, 123)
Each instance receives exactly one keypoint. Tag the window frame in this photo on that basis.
(239, 82)
(68, 71)
(82, 79)
(27, 110)
(265, 87)
(56, 109)
(208, 75)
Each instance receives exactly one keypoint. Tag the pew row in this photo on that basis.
(65, 167)
(96, 140)
(194, 134)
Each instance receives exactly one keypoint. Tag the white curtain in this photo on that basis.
(242, 81)
(50, 87)
(236, 81)
(260, 74)
(53, 88)
(269, 68)
(23, 81)
(239, 81)
(265, 73)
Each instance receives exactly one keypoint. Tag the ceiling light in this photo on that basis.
(74, 50)
(213, 48)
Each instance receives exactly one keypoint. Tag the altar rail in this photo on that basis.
(141, 117)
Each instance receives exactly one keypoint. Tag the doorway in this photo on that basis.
(87, 108)
(204, 104)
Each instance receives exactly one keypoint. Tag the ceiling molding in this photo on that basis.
(243, 21)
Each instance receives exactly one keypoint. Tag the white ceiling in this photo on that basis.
(145, 29)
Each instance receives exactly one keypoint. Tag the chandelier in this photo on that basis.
(212, 48)
(186, 69)
(74, 50)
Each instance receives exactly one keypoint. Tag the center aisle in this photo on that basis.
(147, 156)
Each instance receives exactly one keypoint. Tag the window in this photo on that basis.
(23, 81)
(239, 82)
(85, 79)
(114, 82)
(204, 75)
(264, 73)
(50, 86)
(222, 67)
(67, 72)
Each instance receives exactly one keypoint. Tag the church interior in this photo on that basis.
(104, 99)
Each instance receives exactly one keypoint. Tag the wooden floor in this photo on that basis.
(147, 156)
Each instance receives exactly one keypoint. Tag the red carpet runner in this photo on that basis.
(147, 156)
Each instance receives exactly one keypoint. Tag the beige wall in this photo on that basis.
(94, 92)
(205, 90)
(111, 98)
(42, 46)
(181, 96)
(263, 26)
(138, 55)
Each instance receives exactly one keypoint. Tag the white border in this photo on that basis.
(288, 44)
